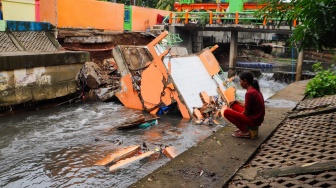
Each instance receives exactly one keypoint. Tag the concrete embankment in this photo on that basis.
(33, 66)
(214, 161)
(28, 77)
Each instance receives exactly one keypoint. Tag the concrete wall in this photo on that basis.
(80, 14)
(26, 77)
(36, 84)
(141, 14)
(23, 10)
(95, 14)
(48, 11)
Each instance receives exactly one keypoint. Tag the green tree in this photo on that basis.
(316, 18)
(142, 3)
(165, 5)
(151, 3)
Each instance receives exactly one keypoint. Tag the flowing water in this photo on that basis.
(58, 147)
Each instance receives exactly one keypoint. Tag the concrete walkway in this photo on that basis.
(215, 161)
(301, 152)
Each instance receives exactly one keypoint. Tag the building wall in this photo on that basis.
(48, 11)
(141, 14)
(83, 14)
(22, 10)
(80, 14)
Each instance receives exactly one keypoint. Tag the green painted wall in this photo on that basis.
(3, 24)
(128, 18)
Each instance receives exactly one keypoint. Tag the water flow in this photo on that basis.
(58, 147)
(268, 87)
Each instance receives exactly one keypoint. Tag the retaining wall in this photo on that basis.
(32, 66)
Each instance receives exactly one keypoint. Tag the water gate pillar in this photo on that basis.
(233, 53)
(185, 35)
(197, 41)
(299, 66)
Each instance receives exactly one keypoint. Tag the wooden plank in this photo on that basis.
(198, 114)
(126, 162)
(135, 124)
(119, 155)
(170, 152)
(205, 97)
(135, 119)
(230, 94)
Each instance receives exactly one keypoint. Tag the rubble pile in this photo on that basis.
(100, 83)
(214, 106)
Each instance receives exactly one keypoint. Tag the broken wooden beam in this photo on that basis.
(136, 124)
(119, 155)
(170, 152)
(126, 162)
(135, 119)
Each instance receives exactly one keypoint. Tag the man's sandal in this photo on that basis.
(239, 134)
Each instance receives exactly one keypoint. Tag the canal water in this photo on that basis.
(58, 147)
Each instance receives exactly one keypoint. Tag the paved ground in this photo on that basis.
(295, 148)
(301, 153)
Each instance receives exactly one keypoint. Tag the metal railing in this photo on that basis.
(209, 17)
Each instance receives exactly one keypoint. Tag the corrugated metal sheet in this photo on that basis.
(35, 41)
(6, 44)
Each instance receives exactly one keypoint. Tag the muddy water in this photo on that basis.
(58, 147)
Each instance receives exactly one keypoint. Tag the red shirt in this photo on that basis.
(254, 106)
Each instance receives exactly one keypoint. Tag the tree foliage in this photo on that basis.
(165, 5)
(142, 3)
(316, 21)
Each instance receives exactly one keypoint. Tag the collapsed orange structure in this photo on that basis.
(153, 78)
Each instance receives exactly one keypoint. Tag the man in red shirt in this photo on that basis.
(248, 114)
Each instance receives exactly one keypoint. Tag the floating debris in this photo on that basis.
(119, 155)
(126, 162)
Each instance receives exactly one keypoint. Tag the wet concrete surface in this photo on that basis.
(214, 161)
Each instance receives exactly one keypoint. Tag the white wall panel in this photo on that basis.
(191, 78)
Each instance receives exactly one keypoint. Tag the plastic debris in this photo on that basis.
(218, 142)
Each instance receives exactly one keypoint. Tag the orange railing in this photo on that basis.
(210, 18)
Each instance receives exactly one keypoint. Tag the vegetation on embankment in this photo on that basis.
(324, 83)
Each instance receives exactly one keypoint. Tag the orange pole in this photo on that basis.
(186, 18)
(236, 17)
(294, 23)
(210, 20)
(264, 22)
(214, 48)
(170, 18)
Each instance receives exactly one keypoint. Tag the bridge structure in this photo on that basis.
(192, 19)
